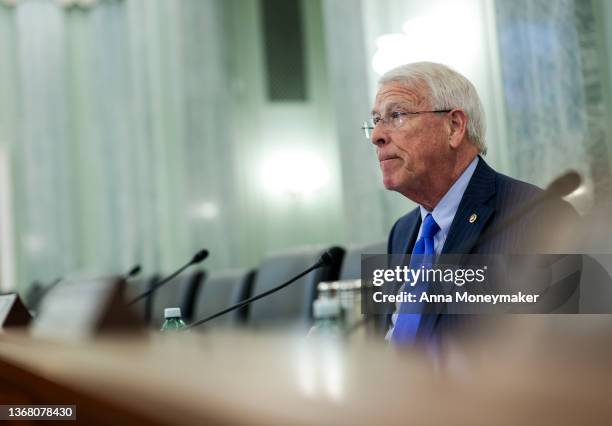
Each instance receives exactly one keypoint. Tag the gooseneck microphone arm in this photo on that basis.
(324, 260)
(199, 256)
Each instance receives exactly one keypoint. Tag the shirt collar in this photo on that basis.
(445, 210)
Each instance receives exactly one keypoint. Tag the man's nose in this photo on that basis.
(379, 135)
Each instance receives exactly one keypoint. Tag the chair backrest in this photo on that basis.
(37, 292)
(291, 306)
(33, 296)
(136, 287)
(180, 292)
(351, 264)
(223, 289)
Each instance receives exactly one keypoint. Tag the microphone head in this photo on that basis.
(326, 259)
(134, 271)
(199, 256)
(565, 184)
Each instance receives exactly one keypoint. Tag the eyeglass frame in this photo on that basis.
(368, 127)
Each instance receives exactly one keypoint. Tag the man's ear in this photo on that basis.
(458, 127)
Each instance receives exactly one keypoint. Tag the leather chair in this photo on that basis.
(136, 287)
(351, 264)
(291, 306)
(223, 289)
(37, 292)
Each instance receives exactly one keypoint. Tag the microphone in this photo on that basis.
(564, 184)
(325, 259)
(197, 258)
(132, 272)
(560, 187)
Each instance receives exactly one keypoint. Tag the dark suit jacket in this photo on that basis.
(494, 198)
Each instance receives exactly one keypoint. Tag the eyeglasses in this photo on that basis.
(393, 120)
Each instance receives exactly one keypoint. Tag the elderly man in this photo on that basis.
(428, 127)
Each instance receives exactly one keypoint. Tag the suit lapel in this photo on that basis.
(473, 212)
(464, 233)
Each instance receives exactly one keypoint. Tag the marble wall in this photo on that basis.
(556, 117)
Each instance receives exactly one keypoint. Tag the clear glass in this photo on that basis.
(173, 324)
(326, 327)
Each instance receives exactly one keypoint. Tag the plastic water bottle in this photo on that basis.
(173, 319)
(327, 315)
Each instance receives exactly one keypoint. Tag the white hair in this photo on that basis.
(448, 89)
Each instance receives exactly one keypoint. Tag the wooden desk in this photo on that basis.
(235, 378)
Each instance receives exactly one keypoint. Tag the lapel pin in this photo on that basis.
(473, 218)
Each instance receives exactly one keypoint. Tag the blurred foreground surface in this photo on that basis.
(524, 370)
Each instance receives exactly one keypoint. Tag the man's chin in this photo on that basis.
(389, 184)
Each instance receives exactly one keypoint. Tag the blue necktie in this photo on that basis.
(406, 325)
